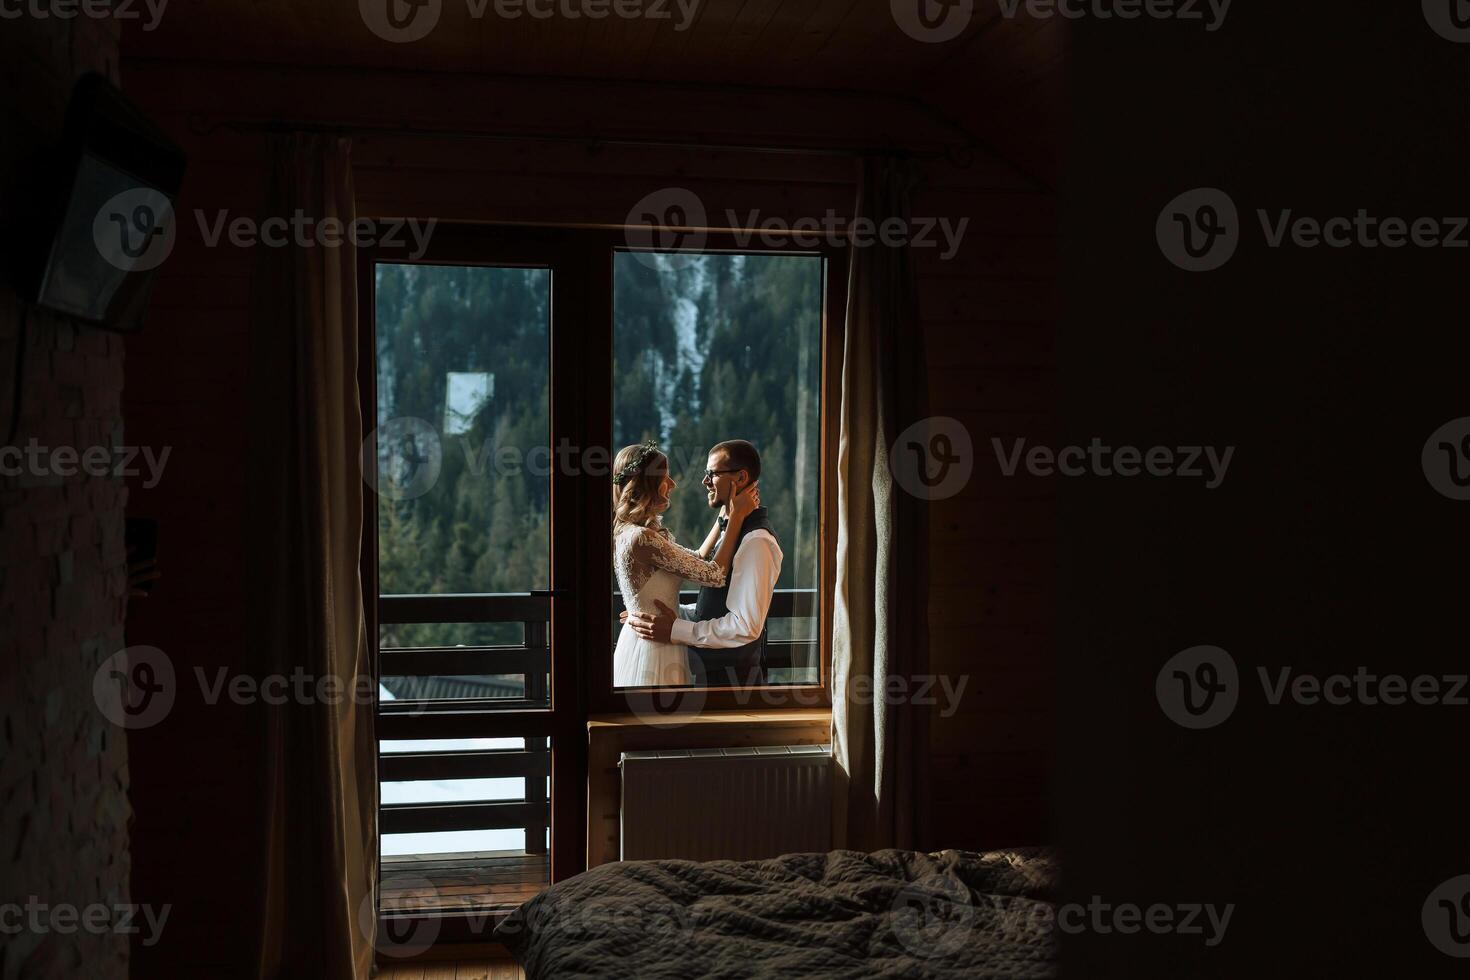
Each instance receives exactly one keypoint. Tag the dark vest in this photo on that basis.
(736, 666)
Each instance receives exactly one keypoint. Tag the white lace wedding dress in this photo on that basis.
(650, 566)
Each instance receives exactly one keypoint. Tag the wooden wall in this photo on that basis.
(987, 317)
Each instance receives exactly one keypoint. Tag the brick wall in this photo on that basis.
(64, 809)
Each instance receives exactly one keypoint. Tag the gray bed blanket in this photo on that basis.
(951, 914)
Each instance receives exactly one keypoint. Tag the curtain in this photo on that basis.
(319, 780)
(878, 633)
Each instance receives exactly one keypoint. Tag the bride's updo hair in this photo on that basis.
(633, 500)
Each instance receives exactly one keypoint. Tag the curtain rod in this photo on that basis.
(959, 154)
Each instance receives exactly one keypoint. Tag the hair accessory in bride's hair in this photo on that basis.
(645, 452)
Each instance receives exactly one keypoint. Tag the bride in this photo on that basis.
(650, 565)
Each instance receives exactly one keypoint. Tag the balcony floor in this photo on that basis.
(473, 880)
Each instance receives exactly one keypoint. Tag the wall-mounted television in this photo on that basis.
(105, 211)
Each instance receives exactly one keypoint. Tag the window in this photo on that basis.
(461, 401)
(718, 346)
(489, 378)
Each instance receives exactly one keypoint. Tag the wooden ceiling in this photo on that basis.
(999, 77)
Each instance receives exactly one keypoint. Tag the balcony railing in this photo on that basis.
(485, 677)
(464, 692)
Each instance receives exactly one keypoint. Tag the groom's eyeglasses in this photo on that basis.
(711, 474)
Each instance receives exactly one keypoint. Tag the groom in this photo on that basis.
(725, 629)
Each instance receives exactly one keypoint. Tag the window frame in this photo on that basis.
(580, 357)
(604, 698)
(562, 719)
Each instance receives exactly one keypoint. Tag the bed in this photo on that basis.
(949, 914)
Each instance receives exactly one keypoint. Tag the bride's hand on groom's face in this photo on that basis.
(743, 503)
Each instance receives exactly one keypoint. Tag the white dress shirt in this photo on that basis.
(753, 575)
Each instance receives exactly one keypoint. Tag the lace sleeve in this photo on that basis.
(660, 551)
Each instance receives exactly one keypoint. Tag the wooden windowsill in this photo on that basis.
(759, 716)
